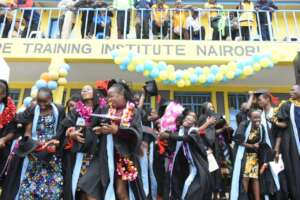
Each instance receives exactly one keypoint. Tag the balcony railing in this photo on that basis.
(168, 24)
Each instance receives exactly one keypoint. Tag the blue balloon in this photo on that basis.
(249, 62)
(148, 65)
(214, 69)
(179, 74)
(126, 61)
(198, 70)
(27, 101)
(241, 65)
(139, 68)
(271, 65)
(225, 80)
(268, 55)
(66, 66)
(154, 73)
(238, 73)
(114, 54)
(131, 54)
(194, 79)
(211, 78)
(41, 84)
(123, 67)
(167, 82)
(162, 66)
(257, 58)
(52, 85)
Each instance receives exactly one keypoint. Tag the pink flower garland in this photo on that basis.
(168, 120)
(84, 111)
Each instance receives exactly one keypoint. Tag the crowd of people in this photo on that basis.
(180, 21)
(105, 145)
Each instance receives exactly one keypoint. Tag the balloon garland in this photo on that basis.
(205, 76)
(55, 77)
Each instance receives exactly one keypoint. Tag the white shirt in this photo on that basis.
(191, 22)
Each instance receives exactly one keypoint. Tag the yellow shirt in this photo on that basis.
(213, 6)
(179, 19)
(160, 15)
(246, 16)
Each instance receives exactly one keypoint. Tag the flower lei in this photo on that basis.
(8, 113)
(127, 115)
(126, 169)
(102, 102)
(84, 111)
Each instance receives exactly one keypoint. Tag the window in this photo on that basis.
(15, 94)
(235, 101)
(54, 28)
(192, 101)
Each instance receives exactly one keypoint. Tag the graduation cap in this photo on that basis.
(151, 88)
(26, 146)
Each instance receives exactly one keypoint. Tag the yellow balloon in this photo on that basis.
(119, 60)
(158, 80)
(172, 76)
(232, 66)
(63, 73)
(257, 67)
(180, 83)
(33, 92)
(202, 79)
(191, 70)
(146, 73)
(187, 82)
(223, 68)
(62, 81)
(230, 74)
(170, 68)
(136, 61)
(131, 68)
(186, 75)
(206, 70)
(248, 71)
(163, 75)
(219, 77)
(265, 62)
(53, 75)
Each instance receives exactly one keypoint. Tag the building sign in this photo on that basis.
(170, 51)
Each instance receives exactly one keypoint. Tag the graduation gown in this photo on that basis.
(12, 183)
(290, 114)
(189, 177)
(99, 180)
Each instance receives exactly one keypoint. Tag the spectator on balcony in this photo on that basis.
(123, 16)
(5, 18)
(265, 9)
(179, 21)
(67, 20)
(214, 15)
(160, 16)
(101, 26)
(31, 16)
(87, 15)
(194, 26)
(143, 18)
(246, 18)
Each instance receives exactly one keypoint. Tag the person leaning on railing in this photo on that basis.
(179, 21)
(196, 30)
(123, 16)
(5, 18)
(67, 19)
(214, 16)
(265, 9)
(246, 18)
(143, 17)
(160, 16)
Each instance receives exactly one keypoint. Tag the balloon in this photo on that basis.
(170, 68)
(131, 68)
(126, 61)
(194, 79)
(27, 101)
(158, 80)
(66, 67)
(198, 70)
(53, 75)
(33, 92)
(180, 83)
(271, 65)
(131, 55)
(191, 70)
(238, 72)
(52, 85)
(163, 75)
(114, 54)
(214, 69)
(123, 67)
(179, 74)
(219, 77)
(230, 74)
(202, 79)
(232, 66)
(248, 71)
(162, 66)
(155, 73)
(206, 70)
(45, 76)
(63, 73)
(41, 84)
(118, 60)
(166, 82)
(265, 62)
(240, 65)
(223, 68)
(52, 68)
(146, 73)
(62, 81)
(257, 58)
(149, 65)
(242, 77)
(172, 76)
(139, 68)
(211, 78)
(187, 83)
(257, 67)
(186, 75)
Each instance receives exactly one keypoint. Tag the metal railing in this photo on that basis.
(164, 24)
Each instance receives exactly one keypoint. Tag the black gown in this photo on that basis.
(12, 182)
(97, 179)
(290, 155)
(200, 186)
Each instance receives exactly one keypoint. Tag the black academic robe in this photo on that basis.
(12, 182)
(96, 180)
(289, 152)
(200, 187)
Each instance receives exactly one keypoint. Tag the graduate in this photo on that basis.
(189, 175)
(288, 122)
(114, 171)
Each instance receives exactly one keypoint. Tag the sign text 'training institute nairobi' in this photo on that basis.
(104, 49)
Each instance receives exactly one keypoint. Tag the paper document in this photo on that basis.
(277, 167)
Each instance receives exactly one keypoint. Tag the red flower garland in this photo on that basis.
(8, 113)
(126, 169)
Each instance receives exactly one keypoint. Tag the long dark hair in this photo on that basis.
(96, 96)
(122, 87)
(4, 84)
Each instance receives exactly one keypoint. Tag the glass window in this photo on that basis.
(235, 101)
(15, 94)
(54, 28)
(192, 101)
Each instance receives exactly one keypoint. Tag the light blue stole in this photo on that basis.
(294, 126)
